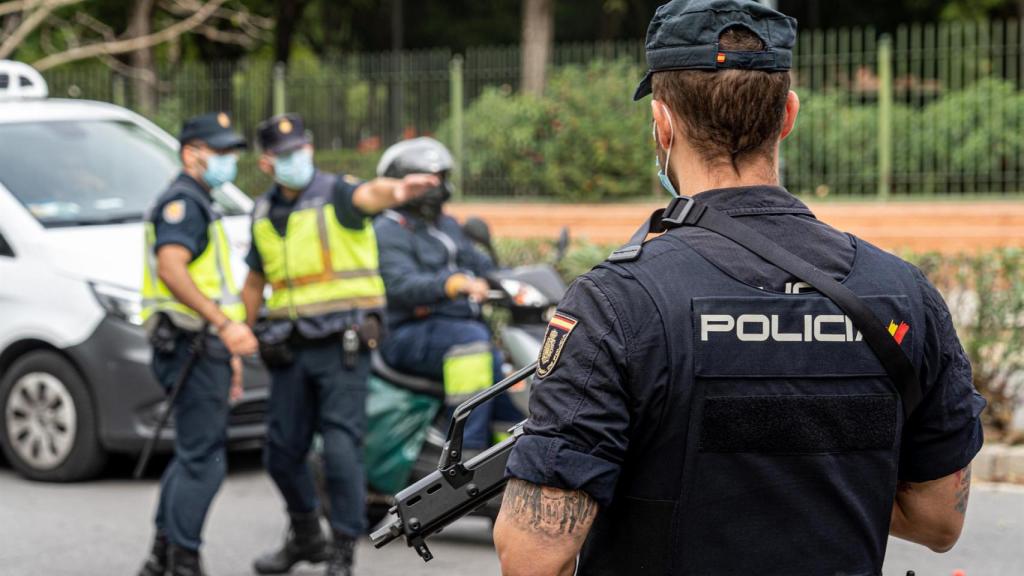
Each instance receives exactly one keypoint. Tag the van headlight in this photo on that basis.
(121, 303)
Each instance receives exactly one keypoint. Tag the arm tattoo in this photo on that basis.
(548, 511)
(963, 489)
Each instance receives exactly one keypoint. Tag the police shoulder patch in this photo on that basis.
(559, 329)
(174, 212)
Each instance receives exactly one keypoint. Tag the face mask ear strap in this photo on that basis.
(671, 140)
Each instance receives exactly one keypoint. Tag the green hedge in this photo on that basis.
(586, 140)
(984, 291)
(970, 140)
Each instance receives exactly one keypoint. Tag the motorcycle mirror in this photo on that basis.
(478, 231)
(563, 244)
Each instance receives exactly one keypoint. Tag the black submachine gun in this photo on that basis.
(456, 488)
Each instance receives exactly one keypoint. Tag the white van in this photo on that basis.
(75, 180)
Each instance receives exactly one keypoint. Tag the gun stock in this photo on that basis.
(455, 489)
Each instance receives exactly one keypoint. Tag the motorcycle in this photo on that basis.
(406, 416)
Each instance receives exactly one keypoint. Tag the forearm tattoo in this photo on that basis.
(548, 511)
(963, 490)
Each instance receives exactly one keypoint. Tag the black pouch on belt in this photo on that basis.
(164, 336)
(277, 355)
(369, 332)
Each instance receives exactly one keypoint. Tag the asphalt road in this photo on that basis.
(103, 528)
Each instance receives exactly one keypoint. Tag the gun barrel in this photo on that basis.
(387, 534)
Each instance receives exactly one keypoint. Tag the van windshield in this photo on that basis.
(73, 173)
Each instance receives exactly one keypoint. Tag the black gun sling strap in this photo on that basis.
(684, 211)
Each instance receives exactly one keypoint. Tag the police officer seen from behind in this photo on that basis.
(187, 289)
(701, 411)
(313, 243)
(435, 285)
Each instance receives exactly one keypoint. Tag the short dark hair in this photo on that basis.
(729, 114)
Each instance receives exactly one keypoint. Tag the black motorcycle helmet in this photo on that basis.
(420, 156)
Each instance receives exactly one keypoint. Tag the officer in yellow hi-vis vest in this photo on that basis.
(314, 244)
(187, 288)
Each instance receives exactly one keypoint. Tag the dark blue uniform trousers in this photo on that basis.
(419, 348)
(197, 470)
(319, 393)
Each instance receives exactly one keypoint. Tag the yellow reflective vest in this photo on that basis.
(210, 271)
(318, 267)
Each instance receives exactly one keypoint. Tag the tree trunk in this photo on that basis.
(538, 37)
(289, 14)
(396, 87)
(144, 80)
(1020, 18)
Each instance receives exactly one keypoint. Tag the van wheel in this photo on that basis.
(47, 423)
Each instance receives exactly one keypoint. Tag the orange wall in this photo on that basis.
(946, 227)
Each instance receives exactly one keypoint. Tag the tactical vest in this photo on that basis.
(775, 448)
(210, 271)
(318, 267)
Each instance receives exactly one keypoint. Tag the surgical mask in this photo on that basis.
(294, 170)
(666, 183)
(220, 169)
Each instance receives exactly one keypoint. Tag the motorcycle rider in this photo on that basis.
(435, 285)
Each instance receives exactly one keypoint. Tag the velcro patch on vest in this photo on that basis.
(799, 424)
(559, 329)
(790, 336)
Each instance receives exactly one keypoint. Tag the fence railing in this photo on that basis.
(933, 109)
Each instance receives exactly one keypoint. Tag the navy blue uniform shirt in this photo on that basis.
(417, 258)
(179, 219)
(613, 363)
(281, 208)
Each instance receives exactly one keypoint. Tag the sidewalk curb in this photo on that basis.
(999, 463)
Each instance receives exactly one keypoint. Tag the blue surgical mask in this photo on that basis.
(666, 183)
(220, 169)
(294, 170)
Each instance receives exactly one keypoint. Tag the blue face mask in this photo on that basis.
(294, 170)
(666, 183)
(220, 169)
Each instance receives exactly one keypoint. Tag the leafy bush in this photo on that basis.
(584, 140)
(985, 292)
(942, 146)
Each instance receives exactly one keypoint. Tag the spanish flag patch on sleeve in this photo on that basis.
(559, 329)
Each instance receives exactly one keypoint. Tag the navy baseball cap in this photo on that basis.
(214, 129)
(683, 35)
(282, 134)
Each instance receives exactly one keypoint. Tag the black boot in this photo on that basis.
(156, 563)
(343, 551)
(184, 562)
(305, 541)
